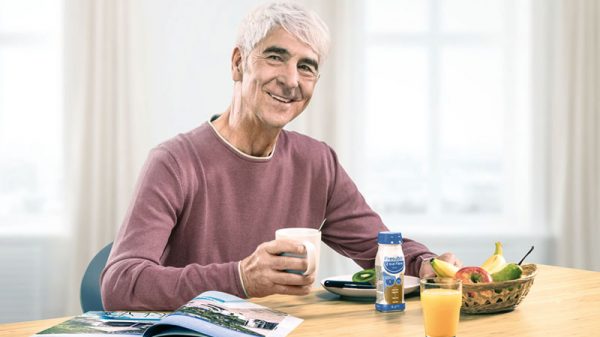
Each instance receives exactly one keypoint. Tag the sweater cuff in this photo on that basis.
(423, 258)
(242, 279)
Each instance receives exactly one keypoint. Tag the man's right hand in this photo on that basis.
(263, 272)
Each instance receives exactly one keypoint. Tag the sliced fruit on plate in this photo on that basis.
(366, 275)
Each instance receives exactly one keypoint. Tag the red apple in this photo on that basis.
(470, 275)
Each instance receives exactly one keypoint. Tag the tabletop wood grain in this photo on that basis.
(561, 302)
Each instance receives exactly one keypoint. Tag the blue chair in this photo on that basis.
(89, 295)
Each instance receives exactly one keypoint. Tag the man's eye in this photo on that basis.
(306, 68)
(274, 58)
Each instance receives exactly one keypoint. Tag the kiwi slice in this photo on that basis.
(366, 275)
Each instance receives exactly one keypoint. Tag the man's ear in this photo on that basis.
(237, 70)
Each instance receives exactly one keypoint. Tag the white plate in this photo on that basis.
(411, 284)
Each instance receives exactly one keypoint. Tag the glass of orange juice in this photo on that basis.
(441, 303)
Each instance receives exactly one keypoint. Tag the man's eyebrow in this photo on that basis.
(276, 50)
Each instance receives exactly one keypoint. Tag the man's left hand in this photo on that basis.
(426, 271)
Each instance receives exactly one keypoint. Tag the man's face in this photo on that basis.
(279, 80)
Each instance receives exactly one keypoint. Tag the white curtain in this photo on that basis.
(571, 48)
(104, 124)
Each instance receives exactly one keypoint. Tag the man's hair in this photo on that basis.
(303, 24)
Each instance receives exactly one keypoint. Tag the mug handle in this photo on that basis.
(311, 258)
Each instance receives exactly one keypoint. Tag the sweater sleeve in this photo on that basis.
(134, 277)
(352, 226)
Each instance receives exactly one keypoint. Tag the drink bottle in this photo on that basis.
(389, 270)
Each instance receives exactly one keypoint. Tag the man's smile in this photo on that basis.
(280, 98)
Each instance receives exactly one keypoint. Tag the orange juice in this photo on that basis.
(441, 310)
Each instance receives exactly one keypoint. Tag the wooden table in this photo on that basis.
(562, 302)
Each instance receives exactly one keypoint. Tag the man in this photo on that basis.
(208, 202)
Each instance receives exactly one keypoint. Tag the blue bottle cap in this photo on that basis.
(389, 238)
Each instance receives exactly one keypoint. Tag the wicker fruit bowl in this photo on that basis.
(486, 298)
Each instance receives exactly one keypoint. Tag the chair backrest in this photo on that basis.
(90, 296)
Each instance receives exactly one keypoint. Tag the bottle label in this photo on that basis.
(393, 288)
(393, 264)
(390, 307)
(390, 283)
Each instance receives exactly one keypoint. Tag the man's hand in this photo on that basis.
(264, 273)
(426, 270)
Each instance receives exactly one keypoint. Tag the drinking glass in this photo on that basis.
(441, 301)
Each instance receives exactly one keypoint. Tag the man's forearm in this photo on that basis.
(138, 284)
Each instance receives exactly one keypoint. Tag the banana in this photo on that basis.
(443, 268)
(495, 262)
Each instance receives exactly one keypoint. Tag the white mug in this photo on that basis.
(310, 238)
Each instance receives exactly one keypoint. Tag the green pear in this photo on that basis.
(511, 271)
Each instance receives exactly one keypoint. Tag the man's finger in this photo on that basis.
(285, 279)
(277, 247)
(289, 263)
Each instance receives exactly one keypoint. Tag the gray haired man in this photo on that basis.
(209, 201)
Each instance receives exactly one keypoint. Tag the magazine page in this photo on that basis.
(105, 323)
(214, 313)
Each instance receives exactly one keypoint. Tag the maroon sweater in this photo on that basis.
(201, 206)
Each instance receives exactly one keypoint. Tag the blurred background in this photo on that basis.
(463, 122)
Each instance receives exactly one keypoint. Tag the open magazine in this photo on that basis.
(211, 313)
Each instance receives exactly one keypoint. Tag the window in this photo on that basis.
(447, 115)
(31, 157)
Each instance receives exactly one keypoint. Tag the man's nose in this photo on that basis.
(289, 76)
